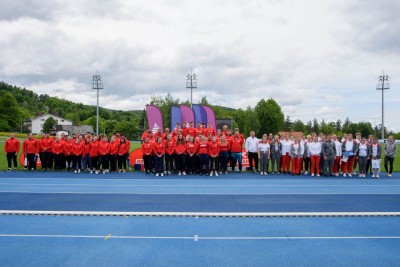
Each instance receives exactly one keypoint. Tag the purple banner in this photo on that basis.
(200, 114)
(154, 118)
(187, 114)
(175, 117)
(211, 117)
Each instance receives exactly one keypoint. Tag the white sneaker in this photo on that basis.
(360, 175)
(306, 173)
(350, 175)
(162, 174)
(318, 175)
(344, 175)
(79, 171)
(377, 176)
(312, 174)
(390, 175)
(179, 173)
(216, 173)
(373, 175)
(211, 173)
(104, 172)
(91, 172)
(97, 172)
(184, 173)
(157, 174)
(75, 171)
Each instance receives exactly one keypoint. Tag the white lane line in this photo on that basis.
(198, 238)
(195, 193)
(197, 185)
(200, 214)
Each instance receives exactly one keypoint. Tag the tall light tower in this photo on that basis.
(97, 85)
(191, 82)
(383, 85)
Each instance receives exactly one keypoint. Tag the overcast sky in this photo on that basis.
(316, 58)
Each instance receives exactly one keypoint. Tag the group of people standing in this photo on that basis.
(77, 153)
(202, 150)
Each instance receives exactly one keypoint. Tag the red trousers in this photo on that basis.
(336, 164)
(285, 163)
(296, 165)
(315, 162)
(347, 167)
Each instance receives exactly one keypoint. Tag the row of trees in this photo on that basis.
(17, 104)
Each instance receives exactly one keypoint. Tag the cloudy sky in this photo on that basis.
(316, 58)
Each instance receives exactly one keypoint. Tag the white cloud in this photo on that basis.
(316, 58)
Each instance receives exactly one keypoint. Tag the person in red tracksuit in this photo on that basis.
(122, 151)
(180, 155)
(159, 151)
(236, 145)
(113, 155)
(191, 157)
(77, 152)
(30, 149)
(94, 155)
(46, 145)
(169, 154)
(68, 153)
(203, 155)
(223, 154)
(147, 151)
(58, 150)
(11, 150)
(104, 151)
(86, 154)
(213, 156)
(210, 129)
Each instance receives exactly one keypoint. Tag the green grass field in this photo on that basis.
(136, 144)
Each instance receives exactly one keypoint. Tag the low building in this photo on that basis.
(294, 134)
(71, 129)
(35, 125)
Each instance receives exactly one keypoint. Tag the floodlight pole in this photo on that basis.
(97, 85)
(383, 85)
(191, 82)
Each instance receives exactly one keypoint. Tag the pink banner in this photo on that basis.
(211, 117)
(154, 118)
(187, 114)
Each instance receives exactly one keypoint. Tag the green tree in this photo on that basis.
(298, 126)
(315, 127)
(287, 125)
(10, 112)
(270, 116)
(251, 123)
(49, 124)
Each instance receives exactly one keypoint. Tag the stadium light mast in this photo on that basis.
(97, 85)
(191, 82)
(383, 85)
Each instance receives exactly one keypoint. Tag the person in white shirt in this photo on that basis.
(252, 150)
(336, 163)
(264, 155)
(349, 149)
(295, 154)
(376, 155)
(315, 155)
(285, 160)
(363, 155)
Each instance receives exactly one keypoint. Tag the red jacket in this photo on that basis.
(170, 149)
(68, 148)
(236, 145)
(122, 149)
(86, 149)
(46, 144)
(113, 148)
(210, 131)
(77, 149)
(159, 149)
(224, 147)
(30, 146)
(180, 148)
(12, 145)
(213, 149)
(191, 148)
(104, 148)
(57, 148)
(191, 131)
(147, 149)
(94, 149)
(203, 148)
